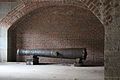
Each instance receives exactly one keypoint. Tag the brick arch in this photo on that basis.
(28, 6)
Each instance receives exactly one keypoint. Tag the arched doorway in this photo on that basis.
(64, 26)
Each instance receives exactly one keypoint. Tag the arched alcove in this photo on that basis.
(65, 26)
(106, 11)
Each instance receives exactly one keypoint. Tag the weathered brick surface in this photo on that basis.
(112, 44)
(107, 12)
(62, 27)
(30, 5)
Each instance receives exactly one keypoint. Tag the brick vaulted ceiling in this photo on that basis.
(101, 9)
(61, 27)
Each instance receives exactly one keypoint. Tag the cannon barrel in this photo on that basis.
(56, 53)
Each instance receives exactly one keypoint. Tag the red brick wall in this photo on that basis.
(62, 27)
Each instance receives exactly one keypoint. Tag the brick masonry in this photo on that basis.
(98, 7)
(62, 27)
(107, 11)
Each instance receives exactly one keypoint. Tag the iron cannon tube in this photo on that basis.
(67, 53)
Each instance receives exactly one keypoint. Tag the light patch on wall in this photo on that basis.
(2, 38)
(5, 7)
(7, 0)
(2, 43)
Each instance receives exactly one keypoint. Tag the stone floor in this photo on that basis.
(20, 71)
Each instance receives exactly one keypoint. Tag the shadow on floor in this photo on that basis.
(66, 64)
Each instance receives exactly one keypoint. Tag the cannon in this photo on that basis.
(68, 53)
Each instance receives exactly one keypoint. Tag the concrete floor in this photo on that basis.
(20, 71)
